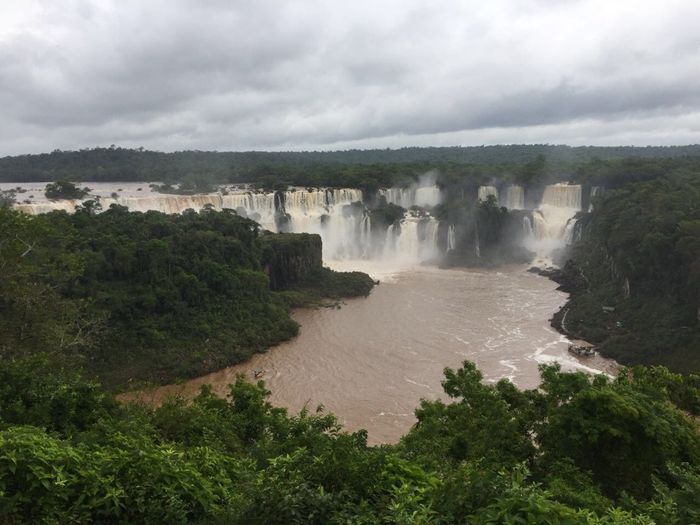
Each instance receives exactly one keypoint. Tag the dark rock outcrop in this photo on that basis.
(290, 258)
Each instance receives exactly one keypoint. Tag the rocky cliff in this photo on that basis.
(290, 258)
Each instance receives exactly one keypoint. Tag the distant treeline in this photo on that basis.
(353, 168)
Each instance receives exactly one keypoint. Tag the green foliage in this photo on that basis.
(32, 391)
(335, 285)
(385, 214)
(528, 504)
(149, 296)
(480, 424)
(367, 169)
(640, 254)
(8, 198)
(619, 434)
(46, 480)
(63, 189)
(499, 455)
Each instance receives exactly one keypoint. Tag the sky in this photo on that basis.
(312, 74)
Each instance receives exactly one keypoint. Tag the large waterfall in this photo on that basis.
(337, 215)
(424, 193)
(550, 225)
(340, 217)
(513, 198)
(553, 221)
(487, 191)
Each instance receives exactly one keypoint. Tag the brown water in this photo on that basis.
(372, 361)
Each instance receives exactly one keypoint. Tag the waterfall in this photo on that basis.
(451, 238)
(337, 215)
(562, 196)
(595, 191)
(513, 198)
(486, 191)
(569, 230)
(425, 195)
(427, 238)
(259, 207)
(553, 222)
(412, 241)
(37, 208)
(477, 244)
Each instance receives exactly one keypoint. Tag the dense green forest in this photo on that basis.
(577, 451)
(635, 274)
(369, 169)
(149, 296)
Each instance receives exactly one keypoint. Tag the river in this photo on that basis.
(372, 361)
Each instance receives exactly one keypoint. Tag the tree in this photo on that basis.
(8, 198)
(64, 189)
(624, 432)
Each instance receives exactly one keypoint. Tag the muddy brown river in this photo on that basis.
(371, 361)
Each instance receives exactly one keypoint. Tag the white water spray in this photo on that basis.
(337, 215)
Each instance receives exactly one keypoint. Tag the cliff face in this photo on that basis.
(290, 258)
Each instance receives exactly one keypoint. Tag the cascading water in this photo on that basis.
(427, 237)
(337, 215)
(553, 221)
(569, 231)
(513, 198)
(451, 238)
(423, 193)
(477, 243)
(486, 191)
(595, 191)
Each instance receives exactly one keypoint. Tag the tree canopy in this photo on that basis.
(150, 296)
(639, 256)
(579, 450)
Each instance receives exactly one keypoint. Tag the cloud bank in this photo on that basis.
(285, 75)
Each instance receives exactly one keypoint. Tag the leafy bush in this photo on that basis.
(240, 460)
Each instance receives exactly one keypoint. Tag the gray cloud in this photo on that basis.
(175, 74)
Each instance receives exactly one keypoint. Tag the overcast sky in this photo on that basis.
(311, 74)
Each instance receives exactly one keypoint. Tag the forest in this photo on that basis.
(147, 296)
(635, 274)
(367, 169)
(578, 450)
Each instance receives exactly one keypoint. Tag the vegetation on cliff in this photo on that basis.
(635, 274)
(149, 296)
(579, 450)
(485, 234)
